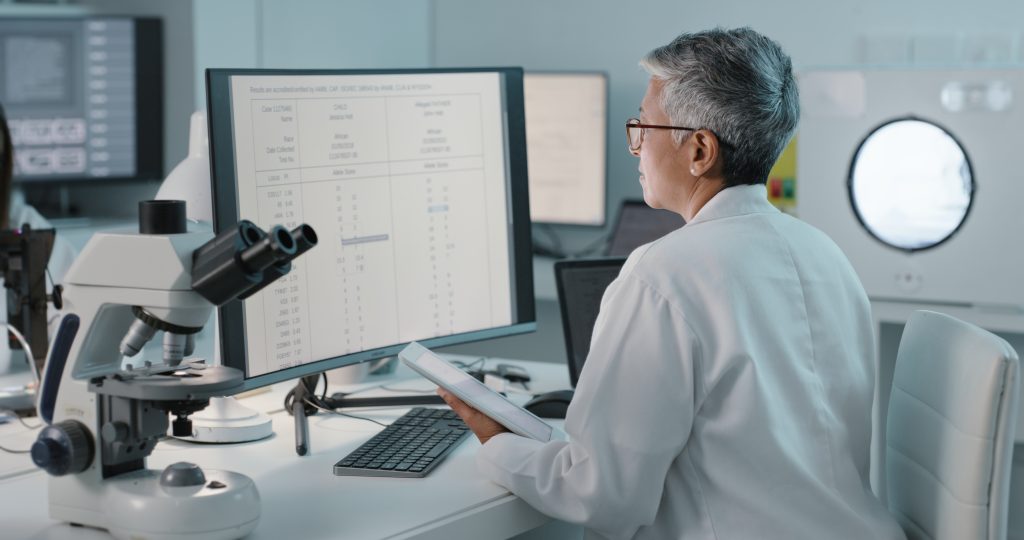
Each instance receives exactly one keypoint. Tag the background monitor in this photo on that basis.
(581, 285)
(83, 97)
(566, 138)
(639, 224)
(415, 181)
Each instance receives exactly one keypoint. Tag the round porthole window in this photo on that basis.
(911, 184)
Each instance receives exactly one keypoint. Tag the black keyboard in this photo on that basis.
(410, 447)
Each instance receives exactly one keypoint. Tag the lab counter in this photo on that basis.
(301, 497)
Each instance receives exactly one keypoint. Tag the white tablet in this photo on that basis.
(475, 393)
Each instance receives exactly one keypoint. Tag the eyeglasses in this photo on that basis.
(635, 132)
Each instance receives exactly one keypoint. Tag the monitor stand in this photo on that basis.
(305, 390)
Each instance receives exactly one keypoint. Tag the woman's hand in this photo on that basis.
(482, 425)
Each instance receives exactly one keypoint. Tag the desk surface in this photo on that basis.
(300, 496)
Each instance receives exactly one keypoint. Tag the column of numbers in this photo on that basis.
(351, 266)
(440, 247)
(284, 300)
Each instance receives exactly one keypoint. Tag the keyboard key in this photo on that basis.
(437, 450)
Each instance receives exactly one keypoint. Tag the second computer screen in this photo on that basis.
(404, 178)
(566, 124)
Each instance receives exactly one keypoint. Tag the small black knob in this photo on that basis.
(162, 217)
(63, 448)
(181, 426)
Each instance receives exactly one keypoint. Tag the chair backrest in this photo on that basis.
(949, 438)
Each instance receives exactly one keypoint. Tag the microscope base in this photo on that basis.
(135, 505)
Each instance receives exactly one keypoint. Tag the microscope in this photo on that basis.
(105, 416)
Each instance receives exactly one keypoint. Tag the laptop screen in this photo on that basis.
(581, 284)
(639, 224)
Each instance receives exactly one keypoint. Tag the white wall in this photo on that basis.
(612, 35)
(309, 34)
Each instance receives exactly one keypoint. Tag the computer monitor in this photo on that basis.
(581, 285)
(639, 224)
(566, 139)
(415, 182)
(83, 97)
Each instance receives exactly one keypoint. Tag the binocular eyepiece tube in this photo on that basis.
(239, 262)
(305, 238)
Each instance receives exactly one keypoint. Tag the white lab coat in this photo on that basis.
(727, 394)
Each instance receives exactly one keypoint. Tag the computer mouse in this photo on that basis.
(550, 404)
(513, 373)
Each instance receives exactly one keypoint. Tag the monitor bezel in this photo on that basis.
(607, 103)
(225, 215)
(149, 103)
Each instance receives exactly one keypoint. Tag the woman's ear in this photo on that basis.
(704, 152)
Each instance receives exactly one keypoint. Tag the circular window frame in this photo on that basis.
(970, 169)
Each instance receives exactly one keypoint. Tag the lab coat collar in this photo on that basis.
(736, 201)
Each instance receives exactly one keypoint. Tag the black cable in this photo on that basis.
(332, 411)
(11, 451)
(466, 367)
(30, 426)
(317, 403)
(399, 390)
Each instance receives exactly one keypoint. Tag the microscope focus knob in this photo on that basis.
(63, 448)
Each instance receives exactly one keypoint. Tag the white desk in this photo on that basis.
(301, 498)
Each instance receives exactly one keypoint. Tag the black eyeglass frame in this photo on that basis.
(635, 123)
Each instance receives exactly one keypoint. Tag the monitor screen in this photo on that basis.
(415, 182)
(639, 224)
(581, 285)
(566, 132)
(83, 97)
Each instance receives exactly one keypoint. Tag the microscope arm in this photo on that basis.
(50, 378)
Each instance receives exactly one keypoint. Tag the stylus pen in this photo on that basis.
(301, 428)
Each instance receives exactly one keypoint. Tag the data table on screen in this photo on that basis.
(388, 268)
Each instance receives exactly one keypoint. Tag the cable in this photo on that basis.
(466, 367)
(24, 423)
(28, 350)
(332, 411)
(29, 426)
(402, 390)
(317, 402)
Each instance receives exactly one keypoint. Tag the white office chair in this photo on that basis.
(949, 445)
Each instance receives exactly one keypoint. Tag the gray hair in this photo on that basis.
(737, 83)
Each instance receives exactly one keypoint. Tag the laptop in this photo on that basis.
(639, 224)
(581, 284)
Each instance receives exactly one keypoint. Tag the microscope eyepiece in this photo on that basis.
(243, 260)
(304, 238)
(278, 246)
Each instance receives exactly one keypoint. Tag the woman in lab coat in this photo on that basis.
(728, 390)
